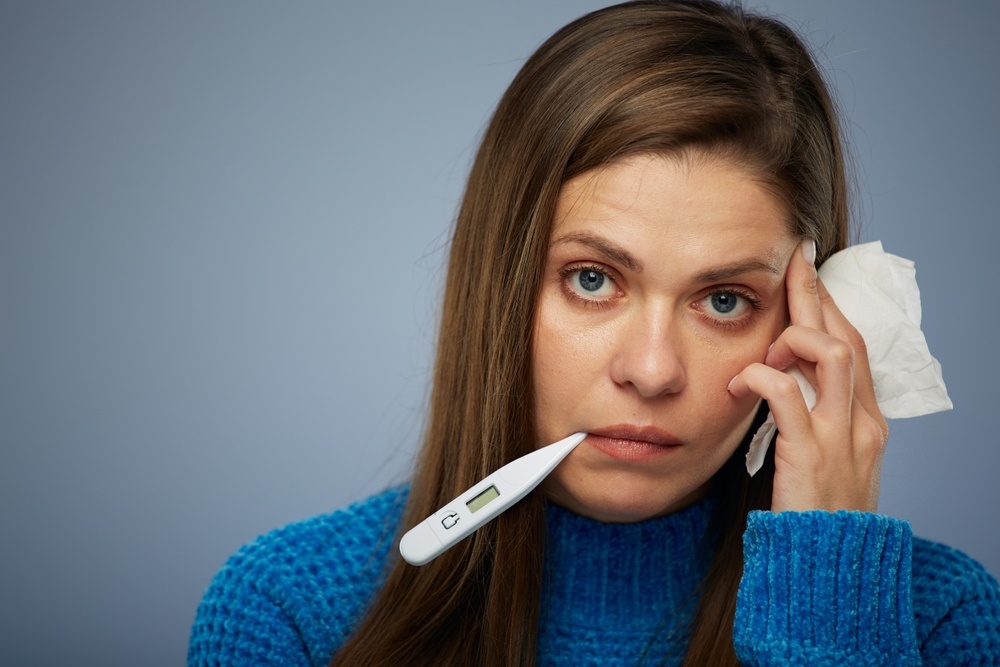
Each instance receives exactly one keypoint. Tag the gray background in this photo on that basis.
(221, 233)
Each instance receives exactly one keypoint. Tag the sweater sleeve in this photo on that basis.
(823, 588)
(851, 588)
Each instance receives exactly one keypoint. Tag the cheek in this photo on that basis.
(721, 363)
(567, 358)
(549, 369)
(724, 360)
(561, 345)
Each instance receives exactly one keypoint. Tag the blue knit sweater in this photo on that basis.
(818, 589)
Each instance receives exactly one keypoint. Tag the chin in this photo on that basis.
(622, 502)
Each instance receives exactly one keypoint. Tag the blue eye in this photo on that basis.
(590, 280)
(590, 283)
(726, 305)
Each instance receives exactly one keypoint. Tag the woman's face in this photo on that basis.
(664, 279)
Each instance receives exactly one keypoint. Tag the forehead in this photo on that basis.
(698, 206)
(700, 182)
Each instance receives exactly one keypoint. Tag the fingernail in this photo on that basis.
(809, 251)
(729, 387)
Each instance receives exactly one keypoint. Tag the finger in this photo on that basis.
(840, 326)
(801, 283)
(869, 434)
(783, 396)
(830, 367)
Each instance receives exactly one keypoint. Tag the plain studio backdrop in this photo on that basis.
(222, 231)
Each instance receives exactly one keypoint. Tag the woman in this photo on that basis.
(635, 257)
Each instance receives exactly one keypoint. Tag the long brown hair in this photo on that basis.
(643, 77)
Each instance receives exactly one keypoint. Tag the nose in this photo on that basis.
(649, 357)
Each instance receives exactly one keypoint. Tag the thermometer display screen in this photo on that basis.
(483, 499)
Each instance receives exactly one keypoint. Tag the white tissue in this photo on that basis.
(878, 294)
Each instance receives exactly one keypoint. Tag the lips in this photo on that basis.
(633, 443)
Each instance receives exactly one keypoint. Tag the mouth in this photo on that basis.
(627, 442)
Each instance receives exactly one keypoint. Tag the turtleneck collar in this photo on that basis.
(633, 577)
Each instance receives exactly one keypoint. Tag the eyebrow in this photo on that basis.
(624, 258)
(605, 247)
(721, 273)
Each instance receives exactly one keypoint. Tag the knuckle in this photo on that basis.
(841, 353)
(811, 284)
(873, 435)
(786, 386)
(883, 427)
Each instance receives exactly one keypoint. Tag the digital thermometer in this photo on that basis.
(483, 502)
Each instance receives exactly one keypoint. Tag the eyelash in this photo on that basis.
(734, 324)
(754, 303)
(567, 272)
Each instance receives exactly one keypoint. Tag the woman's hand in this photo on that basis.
(830, 458)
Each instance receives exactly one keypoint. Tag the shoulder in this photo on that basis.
(329, 551)
(292, 595)
(939, 568)
(956, 601)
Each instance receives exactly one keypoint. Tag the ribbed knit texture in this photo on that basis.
(818, 588)
(826, 589)
(600, 605)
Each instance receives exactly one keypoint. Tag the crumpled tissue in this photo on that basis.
(878, 294)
